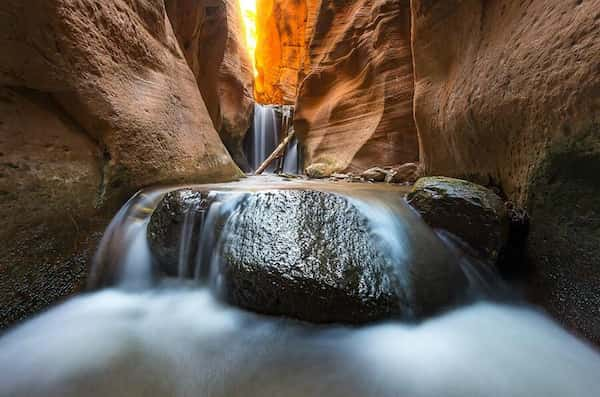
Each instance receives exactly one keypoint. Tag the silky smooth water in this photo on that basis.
(268, 130)
(144, 336)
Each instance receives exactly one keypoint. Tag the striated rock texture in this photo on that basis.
(96, 101)
(354, 107)
(210, 34)
(281, 49)
(509, 92)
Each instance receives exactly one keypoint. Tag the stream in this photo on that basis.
(136, 333)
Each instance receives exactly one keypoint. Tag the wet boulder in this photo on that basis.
(323, 257)
(166, 226)
(469, 211)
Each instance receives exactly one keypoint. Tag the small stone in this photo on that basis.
(375, 174)
(335, 175)
(406, 173)
(319, 170)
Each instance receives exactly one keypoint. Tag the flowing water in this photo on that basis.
(271, 123)
(142, 335)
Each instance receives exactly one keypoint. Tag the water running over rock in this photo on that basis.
(271, 124)
(150, 335)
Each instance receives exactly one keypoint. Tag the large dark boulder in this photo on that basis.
(315, 256)
(470, 211)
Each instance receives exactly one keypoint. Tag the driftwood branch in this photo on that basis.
(275, 153)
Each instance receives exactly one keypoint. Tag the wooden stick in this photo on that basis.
(275, 153)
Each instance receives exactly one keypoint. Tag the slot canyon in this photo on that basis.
(300, 197)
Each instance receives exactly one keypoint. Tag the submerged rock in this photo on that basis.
(472, 212)
(315, 256)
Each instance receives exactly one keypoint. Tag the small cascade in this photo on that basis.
(270, 126)
(291, 158)
(175, 337)
(264, 135)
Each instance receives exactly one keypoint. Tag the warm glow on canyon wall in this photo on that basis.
(248, 8)
(280, 49)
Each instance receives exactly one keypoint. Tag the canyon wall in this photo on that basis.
(507, 92)
(96, 101)
(354, 105)
(210, 34)
(281, 49)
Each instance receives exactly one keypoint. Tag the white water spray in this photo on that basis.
(174, 339)
(271, 123)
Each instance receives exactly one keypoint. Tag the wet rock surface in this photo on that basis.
(472, 212)
(166, 226)
(314, 256)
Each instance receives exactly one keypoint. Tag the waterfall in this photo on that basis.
(270, 124)
(172, 337)
(291, 164)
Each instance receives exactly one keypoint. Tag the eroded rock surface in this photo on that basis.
(211, 36)
(97, 101)
(472, 212)
(281, 49)
(508, 91)
(354, 107)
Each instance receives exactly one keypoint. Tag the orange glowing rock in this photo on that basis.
(280, 49)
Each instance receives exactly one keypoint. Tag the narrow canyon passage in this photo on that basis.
(299, 198)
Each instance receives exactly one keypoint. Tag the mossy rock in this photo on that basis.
(469, 211)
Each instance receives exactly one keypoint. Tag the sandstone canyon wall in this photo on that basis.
(281, 49)
(96, 101)
(210, 33)
(508, 92)
(354, 105)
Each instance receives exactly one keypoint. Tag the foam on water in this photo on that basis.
(184, 343)
(145, 338)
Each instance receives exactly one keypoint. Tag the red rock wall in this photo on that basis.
(280, 49)
(354, 106)
(96, 101)
(508, 92)
(210, 33)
